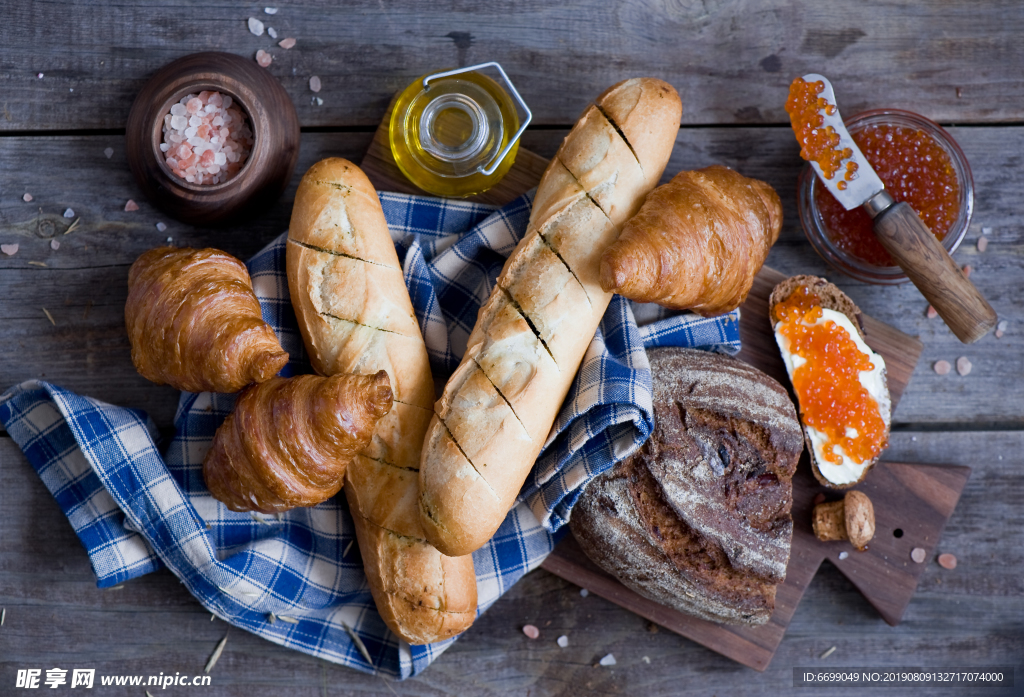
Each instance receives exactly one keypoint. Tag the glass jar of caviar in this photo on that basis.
(456, 133)
(919, 163)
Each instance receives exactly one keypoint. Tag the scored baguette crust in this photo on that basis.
(532, 333)
(833, 299)
(355, 316)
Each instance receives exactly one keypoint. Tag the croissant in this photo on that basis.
(289, 440)
(194, 322)
(696, 243)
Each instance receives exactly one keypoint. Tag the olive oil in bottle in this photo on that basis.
(456, 133)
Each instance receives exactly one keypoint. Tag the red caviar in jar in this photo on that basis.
(914, 169)
(832, 398)
(817, 144)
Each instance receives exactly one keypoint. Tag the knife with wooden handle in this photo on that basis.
(900, 230)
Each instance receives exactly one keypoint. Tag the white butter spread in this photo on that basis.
(848, 470)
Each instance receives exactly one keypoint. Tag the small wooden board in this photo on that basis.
(912, 502)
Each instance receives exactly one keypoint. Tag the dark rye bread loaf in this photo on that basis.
(699, 518)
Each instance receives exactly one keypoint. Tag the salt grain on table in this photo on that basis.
(982, 243)
(255, 26)
(963, 365)
(69, 213)
(207, 138)
(942, 367)
(271, 32)
(608, 660)
(314, 83)
(918, 555)
(109, 152)
(531, 631)
(1003, 325)
(286, 43)
(39, 75)
(270, 10)
(563, 641)
(9, 249)
(264, 59)
(947, 561)
(54, 245)
(161, 227)
(843, 555)
(967, 270)
(584, 592)
(932, 313)
(131, 206)
(26, 198)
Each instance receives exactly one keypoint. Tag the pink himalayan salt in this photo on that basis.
(531, 631)
(131, 206)
(314, 84)
(286, 43)
(26, 198)
(54, 245)
(942, 367)
(932, 312)
(9, 249)
(207, 138)
(264, 58)
(963, 365)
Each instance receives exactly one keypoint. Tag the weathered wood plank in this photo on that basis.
(971, 616)
(732, 60)
(84, 284)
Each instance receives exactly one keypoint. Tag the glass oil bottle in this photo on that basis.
(456, 133)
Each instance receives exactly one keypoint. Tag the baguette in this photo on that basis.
(807, 292)
(355, 316)
(497, 408)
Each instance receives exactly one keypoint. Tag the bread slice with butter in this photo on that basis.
(866, 407)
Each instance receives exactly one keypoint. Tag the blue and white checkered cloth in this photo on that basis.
(297, 579)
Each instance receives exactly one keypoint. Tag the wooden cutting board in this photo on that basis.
(912, 502)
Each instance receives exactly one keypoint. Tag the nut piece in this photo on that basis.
(851, 519)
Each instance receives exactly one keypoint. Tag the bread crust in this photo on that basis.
(647, 113)
(833, 299)
(333, 205)
(355, 316)
(549, 288)
(194, 322)
(697, 242)
(700, 518)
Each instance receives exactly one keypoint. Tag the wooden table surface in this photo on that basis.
(68, 74)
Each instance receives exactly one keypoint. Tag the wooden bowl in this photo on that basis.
(270, 164)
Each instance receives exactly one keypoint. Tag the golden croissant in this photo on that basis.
(289, 440)
(697, 242)
(194, 322)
